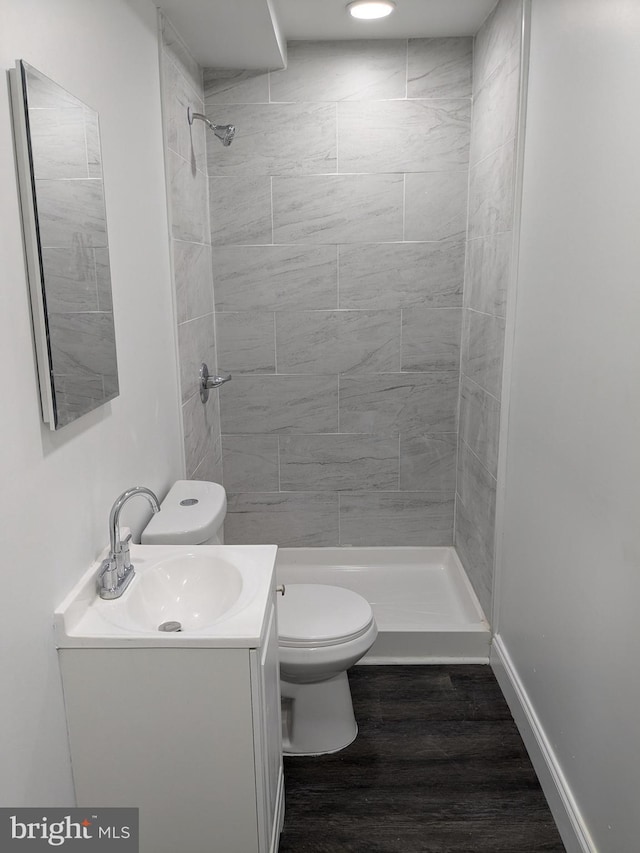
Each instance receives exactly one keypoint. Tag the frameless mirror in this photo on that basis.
(67, 251)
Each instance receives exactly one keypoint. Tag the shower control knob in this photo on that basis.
(208, 381)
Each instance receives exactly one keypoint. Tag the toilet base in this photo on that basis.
(317, 718)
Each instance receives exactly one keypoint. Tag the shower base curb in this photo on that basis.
(424, 605)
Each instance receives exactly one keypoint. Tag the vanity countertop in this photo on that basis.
(219, 593)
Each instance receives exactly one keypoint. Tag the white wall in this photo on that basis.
(569, 576)
(56, 489)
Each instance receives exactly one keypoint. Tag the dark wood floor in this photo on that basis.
(438, 767)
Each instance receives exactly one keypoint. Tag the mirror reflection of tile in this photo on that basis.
(67, 178)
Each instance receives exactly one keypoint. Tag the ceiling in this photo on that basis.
(253, 33)
(328, 19)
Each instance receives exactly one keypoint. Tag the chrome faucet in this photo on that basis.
(116, 572)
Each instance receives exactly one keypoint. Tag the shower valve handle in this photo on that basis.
(208, 381)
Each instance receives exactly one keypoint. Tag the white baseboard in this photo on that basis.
(564, 808)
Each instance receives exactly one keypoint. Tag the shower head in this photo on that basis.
(224, 132)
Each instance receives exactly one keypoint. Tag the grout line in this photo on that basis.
(463, 375)
(72, 180)
(279, 476)
(448, 98)
(86, 144)
(458, 419)
(465, 286)
(275, 344)
(271, 201)
(365, 174)
(337, 278)
(212, 313)
(337, 143)
(390, 373)
(387, 173)
(404, 205)
(95, 275)
(478, 460)
(481, 82)
(406, 71)
(389, 310)
(484, 313)
(307, 244)
(489, 236)
(510, 141)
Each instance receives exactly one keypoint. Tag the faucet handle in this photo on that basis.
(123, 556)
(108, 575)
(126, 554)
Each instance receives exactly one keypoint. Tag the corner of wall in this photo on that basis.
(512, 303)
(190, 241)
(489, 282)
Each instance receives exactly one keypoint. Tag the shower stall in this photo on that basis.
(348, 261)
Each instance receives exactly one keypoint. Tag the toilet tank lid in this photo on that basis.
(191, 513)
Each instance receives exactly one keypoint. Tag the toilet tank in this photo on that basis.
(192, 513)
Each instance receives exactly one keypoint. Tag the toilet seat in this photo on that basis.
(316, 615)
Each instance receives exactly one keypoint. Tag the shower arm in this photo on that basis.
(191, 115)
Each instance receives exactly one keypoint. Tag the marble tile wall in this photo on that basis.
(338, 225)
(496, 71)
(186, 157)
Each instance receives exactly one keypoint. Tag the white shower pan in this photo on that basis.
(424, 605)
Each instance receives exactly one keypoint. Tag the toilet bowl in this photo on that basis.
(322, 630)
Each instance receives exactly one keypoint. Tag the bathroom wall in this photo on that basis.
(496, 72)
(187, 201)
(57, 488)
(338, 220)
(568, 581)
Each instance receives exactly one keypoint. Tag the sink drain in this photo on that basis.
(170, 627)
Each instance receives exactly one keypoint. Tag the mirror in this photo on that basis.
(66, 246)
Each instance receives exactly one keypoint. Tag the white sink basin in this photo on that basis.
(192, 590)
(217, 594)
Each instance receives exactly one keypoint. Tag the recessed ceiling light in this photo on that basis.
(370, 9)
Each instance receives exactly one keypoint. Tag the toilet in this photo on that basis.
(322, 630)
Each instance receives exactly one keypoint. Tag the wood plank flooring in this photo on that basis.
(438, 767)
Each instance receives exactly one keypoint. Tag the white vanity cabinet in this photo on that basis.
(267, 723)
(189, 735)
